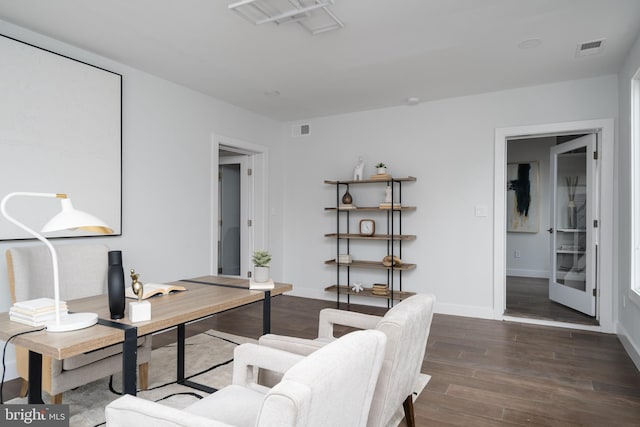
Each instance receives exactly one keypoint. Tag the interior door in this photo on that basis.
(233, 221)
(573, 230)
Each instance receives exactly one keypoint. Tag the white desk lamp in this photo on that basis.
(68, 219)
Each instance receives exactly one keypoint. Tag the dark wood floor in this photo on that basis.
(486, 372)
(529, 297)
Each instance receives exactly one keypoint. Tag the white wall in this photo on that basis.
(167, 131)
(448, 145)
(533, 247)
(629, 312)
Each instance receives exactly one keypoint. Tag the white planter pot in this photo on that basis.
(382, 171)
(261, 274)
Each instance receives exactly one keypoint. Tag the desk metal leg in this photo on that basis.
(129, 354)
(181, 358)
(181, 338)
(35, 377)
(266, 313)
(129, 361)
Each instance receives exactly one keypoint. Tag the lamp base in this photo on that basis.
(72, 322)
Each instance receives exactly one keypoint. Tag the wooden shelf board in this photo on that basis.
(374, 237)
(369, 181)
(372, 264)
(366, 292)
(372, 208)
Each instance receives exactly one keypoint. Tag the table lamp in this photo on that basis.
(68, 219)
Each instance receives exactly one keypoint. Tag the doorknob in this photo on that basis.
(550, 230)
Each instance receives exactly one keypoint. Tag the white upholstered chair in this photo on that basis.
(406, 326)
(332, 387)
(83, 273)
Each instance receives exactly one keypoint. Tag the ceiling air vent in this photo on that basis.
(300, 130)
(590, 48)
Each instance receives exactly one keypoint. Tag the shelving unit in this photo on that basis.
(392, 235)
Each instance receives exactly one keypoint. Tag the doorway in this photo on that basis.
(538, 278)
(603, 270)
(238, 205)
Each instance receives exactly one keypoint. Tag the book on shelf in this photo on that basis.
(152, 289)
(387, 205)
(381, 176)
(343, 206)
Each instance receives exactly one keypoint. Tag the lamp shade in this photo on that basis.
(70, 218)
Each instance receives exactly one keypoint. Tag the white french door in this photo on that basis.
(233, 215)
(574, 227)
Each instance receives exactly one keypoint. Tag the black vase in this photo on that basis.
(115, 285)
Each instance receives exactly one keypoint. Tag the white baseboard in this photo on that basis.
(464, 310)
(441, 308)
(518, 272)
(629, 346)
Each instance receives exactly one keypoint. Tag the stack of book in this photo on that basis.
(387, 205)
(381, 177)
(36, 312)
(380, 289)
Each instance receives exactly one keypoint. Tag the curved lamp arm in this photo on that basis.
(54, 255)
(68, 219)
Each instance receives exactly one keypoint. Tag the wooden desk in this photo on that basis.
(205, 296)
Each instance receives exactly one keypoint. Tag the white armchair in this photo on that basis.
(83, 273)
(332, 387)
(406, 326)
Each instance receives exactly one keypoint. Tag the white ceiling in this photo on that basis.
(388, 51)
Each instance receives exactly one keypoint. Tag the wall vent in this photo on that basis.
(301, 130)
(590, 48)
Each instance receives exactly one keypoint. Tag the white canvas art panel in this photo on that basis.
(60, 132)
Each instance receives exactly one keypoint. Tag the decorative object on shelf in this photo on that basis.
(115, 284)
(68, 219)
(380, 289)
(347, 201)
(381, 174)
(367, 227)
(261, 260)
(572, 184)
(357, 287)
(139, 311)
(387, 204)
(389, 261)
(358, 173)
(344, 259)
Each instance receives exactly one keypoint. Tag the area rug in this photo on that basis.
(208, 360)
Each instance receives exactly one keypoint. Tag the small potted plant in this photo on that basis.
(261, 260)
(382, 168)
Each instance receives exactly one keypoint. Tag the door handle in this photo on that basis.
(550, 230)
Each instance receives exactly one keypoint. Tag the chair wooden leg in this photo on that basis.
(408, 411)
(24, 388)
(143, 375)
(56, 399)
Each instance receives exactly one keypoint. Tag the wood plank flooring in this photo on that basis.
(484, 372)
(529, 297)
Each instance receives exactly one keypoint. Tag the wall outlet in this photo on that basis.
(516, 253)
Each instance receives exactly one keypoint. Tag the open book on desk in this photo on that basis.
(153, 289)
